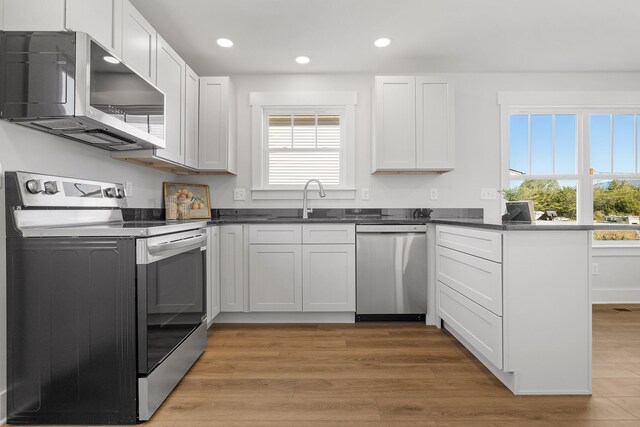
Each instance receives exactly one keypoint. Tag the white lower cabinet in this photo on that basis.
(213, 273)
(275, 277)
(290, 272)
(476, 278)
(232, 268)
(329, 278)
(480, 327)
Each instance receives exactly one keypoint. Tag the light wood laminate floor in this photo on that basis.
(377, 374)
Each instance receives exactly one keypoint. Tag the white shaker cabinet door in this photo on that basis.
(395, 123)
(217, 146)
(191, 100)
(435, 147)
(170, 75)
(95, 17)
(275, 278)
(231, 268)
(138, 42)
(329, 278)
(213, 273)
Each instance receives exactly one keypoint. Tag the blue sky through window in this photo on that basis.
(551, 141)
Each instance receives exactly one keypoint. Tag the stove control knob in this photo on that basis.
(34, 186)
(110, 192)
(120, 193)
(51, 187)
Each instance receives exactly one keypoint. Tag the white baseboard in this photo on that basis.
(615, 296)
(285, 318)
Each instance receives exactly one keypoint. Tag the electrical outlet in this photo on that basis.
(364, 194)
(128, 188)
(595, 269)
(488, 194)
(433, 194)
(239, 194)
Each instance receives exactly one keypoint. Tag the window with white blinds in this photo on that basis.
(301, 146)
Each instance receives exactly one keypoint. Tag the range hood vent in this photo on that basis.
(61, 125)
(60, 83)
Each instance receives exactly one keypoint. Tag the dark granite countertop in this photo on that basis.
(446, 216)
(455, 217)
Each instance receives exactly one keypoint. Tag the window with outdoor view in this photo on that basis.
(615, 173)
(543, 162)
(556, 155)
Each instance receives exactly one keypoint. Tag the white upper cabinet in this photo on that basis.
(435, 147)
(217, 145)
(395, 123)
(413, 124)
(94, 17)
(170, 74)
(138, 42)
(33, 15)
(191, 100)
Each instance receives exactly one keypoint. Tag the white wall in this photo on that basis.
(477, 137)
(29, 150)
(618, 278)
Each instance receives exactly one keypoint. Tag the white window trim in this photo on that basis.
(583, 103)
(265, 102)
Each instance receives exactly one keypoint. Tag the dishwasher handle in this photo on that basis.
(392, 228)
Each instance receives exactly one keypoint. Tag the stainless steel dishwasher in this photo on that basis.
(391, 281)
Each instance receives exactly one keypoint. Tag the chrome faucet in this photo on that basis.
(306, 211)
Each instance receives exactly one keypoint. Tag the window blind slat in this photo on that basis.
(303, 146)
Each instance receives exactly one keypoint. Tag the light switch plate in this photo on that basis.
(595, 269)
(239, 194)
(433, 194)
(364, 194)
(488, 194)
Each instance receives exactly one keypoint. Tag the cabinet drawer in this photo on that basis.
(477, 325)
(483, 244)
(329, 233)
(275, 234)
(478, 279)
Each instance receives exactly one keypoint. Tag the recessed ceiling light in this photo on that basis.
(110, 59)
(303, 59)
(224, 42)
(382, 42)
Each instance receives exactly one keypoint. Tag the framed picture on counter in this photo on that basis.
(195, 195)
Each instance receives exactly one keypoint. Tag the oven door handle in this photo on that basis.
(187, 244)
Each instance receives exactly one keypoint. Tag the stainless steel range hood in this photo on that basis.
(69, 85)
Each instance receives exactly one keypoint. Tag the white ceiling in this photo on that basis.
(427, 35)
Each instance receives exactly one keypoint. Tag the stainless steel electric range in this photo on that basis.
(104, 316)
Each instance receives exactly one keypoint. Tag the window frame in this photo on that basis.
(334, 111)
(265, 103)
(583, 104)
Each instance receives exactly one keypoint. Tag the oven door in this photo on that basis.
(171, 293)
